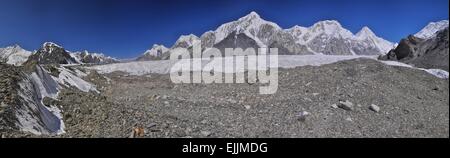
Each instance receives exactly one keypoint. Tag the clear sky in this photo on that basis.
(126, 28)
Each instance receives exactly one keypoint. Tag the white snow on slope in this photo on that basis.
(14, 55)
(187, 39)
(250, 24)
(34, 116)
(284, 61)
(382, 44)
(70, 79)
(431, 29)
(438, 73)
(435, 72)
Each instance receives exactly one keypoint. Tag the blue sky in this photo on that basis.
(126, 28)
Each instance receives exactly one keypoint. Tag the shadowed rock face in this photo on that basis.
(430, 53)
(236, 41)
(51, 53)
(20, 99)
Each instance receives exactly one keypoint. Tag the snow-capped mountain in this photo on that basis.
(324, 37)
(51, 53)
(14, 55)
(154, 53)
(431, 29)
(85, 57)
(329, 37)
(185, 41)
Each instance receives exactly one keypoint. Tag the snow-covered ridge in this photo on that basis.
(185, 41)
(34, 116)
(431, 29)
(327, 37)
(14, 55)
(156, 50)
(50, 46)
(250, 24)
(96, 58)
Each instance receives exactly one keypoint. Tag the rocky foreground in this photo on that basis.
(355, 98)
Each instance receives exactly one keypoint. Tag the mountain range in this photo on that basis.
(51, 53)
(327, 37)
(251, 31)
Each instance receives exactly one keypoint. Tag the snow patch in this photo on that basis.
(69, 79)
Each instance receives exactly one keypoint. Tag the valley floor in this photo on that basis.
(412, 103)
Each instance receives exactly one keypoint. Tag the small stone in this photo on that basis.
(204, 121)
(248, 107)
(349, 119)
(205, 133)
(151, 125)
(374, 108)
(166, 102)
(3, 105)
(347, 105)
(302, 115)
(307, 84)
(334, 106)
(307, 99)
(315, 94)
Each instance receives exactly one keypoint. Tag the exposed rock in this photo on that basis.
(346, 105)
(432, 53)
(334, 106)
(302, 115)
(374, 108)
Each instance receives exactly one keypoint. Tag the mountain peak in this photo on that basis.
(329, 23)
(365, 32)
(431, 29)
(185, 41)
(253, 14)
(50, 44)
(252, 17)
(296, 27)
(327, 26)
(189, 37)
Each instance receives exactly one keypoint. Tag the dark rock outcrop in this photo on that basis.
(432, 53)
(51, 53)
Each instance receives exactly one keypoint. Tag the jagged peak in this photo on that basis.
(328, 23)
(189, 37)
(155, 48)
(442, 22)
(328, 26)
(252, 15)
(158, 46)
(365, 32)
(430, 30)
(297, 27)
(14, 46)
(50, 44)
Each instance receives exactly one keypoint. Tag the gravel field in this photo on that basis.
(354, 98)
